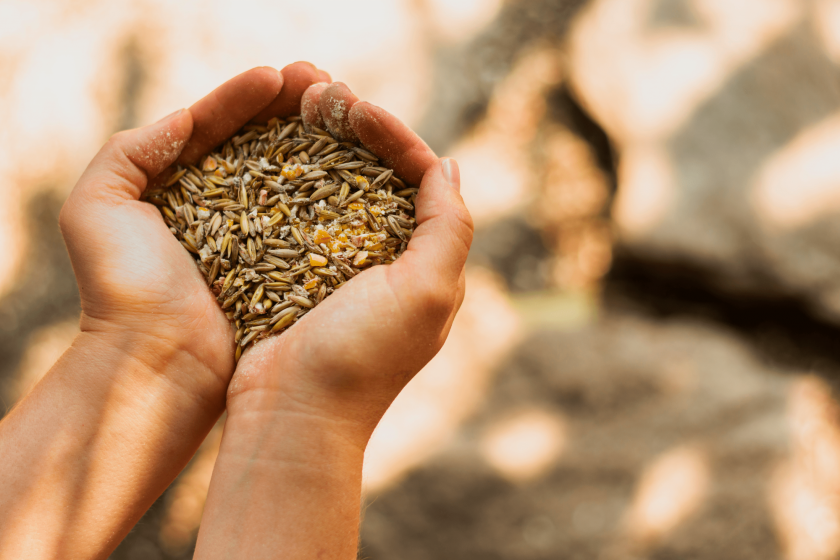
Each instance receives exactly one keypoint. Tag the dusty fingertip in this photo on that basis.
(181, 124)
(342, 91)
(337, 100)
(363, 120)
(309, 108)
(362, 111)
(155, 147)
(317, 87)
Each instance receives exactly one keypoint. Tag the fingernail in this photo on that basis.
(170, 116)
(452, 173)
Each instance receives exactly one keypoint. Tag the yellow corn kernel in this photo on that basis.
(312, 284)
(356, 205)
(292, 172)
(362, 182)
(209, 164)
(317, 260)
(322, 236)
(360, 259)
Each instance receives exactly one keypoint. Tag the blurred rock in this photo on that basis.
(726, 116)
(516, 251)
(662, 437)
(45, 295)
(467, 74)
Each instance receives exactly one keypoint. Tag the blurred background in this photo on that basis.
(646, 360)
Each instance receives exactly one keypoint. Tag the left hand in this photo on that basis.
(108, 428)
(139, 287)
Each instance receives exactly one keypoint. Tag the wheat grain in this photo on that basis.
(279, 217)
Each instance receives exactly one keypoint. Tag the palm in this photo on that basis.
(133, 274)
(145, 280)
(363, 333)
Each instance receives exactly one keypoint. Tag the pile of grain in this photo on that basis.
(280, 217)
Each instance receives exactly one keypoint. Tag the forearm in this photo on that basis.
(287, 484)
(95, 443)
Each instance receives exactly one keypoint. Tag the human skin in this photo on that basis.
(114, 421)
(119, 415)
(302, 406)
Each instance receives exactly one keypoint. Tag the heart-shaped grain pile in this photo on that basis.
(280, 217)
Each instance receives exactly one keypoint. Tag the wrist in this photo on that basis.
(299, 410)
(287, 478)
(153, 361)
(109, 427)
(270, 380)
(292, 435)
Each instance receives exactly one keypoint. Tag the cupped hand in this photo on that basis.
(138, 285)
(348, 358)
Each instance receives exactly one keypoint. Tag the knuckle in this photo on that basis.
(465, 221)
(462, 227)
(436, 301)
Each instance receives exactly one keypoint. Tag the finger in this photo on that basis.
(219, 115)
(123, 167)
(309, 105)
(396, 144)
(296, 78)
(442, 240)
(324, 76)
(336, 102)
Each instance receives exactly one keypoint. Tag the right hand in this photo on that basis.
(349, 357)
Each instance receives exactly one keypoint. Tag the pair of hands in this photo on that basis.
(351, 355)
(119, 415)
(109, 427)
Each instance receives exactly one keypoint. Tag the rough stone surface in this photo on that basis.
(728, 166)
(629, 392)
(467, 74)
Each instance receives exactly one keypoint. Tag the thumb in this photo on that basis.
(441, 242)
(130, 159)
